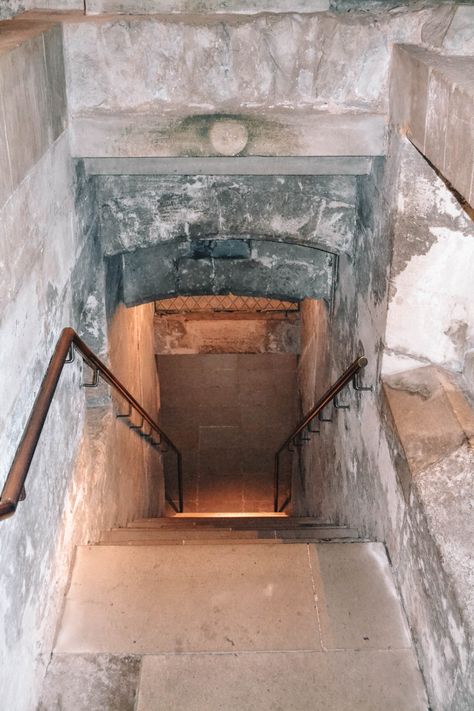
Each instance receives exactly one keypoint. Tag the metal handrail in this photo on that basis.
(328, 397)
(14, 487)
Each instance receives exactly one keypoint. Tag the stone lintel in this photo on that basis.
(311, 133)
(234, 165)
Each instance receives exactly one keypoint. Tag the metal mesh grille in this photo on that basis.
(228, 302)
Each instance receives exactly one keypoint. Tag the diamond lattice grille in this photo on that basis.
(228, 302)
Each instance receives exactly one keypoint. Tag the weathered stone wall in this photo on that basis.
(431, 309)
(214, 6)
(272, 269)
(38, 303)
(355, 324)
(139, 211)
(355, 470)
(321, 87)
(208, 6)
(132, 360)
(227, 333)
(9, 8)
(203, 62)
(52, 277)
(258, 235)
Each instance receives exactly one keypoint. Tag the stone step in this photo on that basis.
(227, 541)
(132, 535)
(230, 522)
(234, 515)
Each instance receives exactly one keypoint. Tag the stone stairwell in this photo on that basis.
(188, 613)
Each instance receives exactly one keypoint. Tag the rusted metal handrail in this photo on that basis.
(14, 487)
(329, 396)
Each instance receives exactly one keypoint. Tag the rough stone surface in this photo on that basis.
(459, 39)
(33, 311)
(468, 371)
(439, 624)
(427, 425)
(447, 488)
(8, 8)
(91, 682)
(432, 98)
(431, 311)
(136, 102)
(139, 211)
(226, 333)
(301, 66)
(33, 112)
(299, 61)
(365, 477)
(274, 269)
(140, 7)
(333, 681)
(52, 277)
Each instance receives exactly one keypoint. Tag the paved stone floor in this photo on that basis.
(270, 627)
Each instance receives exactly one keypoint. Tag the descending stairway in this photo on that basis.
(214, 529)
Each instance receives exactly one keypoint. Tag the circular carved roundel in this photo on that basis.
(228, 137)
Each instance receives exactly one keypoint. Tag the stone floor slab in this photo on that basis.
(357, 600)
(292, 681)
(91, 682)
(196, 598)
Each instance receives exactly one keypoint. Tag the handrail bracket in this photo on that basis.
(68, 343)
(329, 397)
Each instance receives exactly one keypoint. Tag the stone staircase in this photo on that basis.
(204, 529)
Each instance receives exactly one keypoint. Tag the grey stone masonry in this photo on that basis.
(141, 7)
(143, 210)
(270, 269)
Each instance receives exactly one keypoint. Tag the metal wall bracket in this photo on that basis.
(71, 355)
(95, 380)
(146, 435)
(137, 427)
(338, 406)
(361, 388)
(125, 416)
